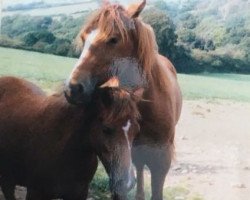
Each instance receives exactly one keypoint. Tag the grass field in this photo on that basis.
(216, 86)
(49, 71)
(68, 10)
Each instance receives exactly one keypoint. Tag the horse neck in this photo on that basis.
(56, 107)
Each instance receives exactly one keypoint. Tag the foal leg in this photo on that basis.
(78, 193)
(35, 195)
(8, 191)
(159, 164)
(8, 188)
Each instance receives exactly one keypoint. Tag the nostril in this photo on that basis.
(76, 89)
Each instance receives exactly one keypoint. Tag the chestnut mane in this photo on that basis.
(113, 17)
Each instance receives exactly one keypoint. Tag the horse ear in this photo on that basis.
(138, 94)
(134, 10)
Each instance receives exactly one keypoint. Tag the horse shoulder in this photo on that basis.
(167, 64)
(171, 85)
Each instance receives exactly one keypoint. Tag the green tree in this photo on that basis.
(164, 31)
(39, 36)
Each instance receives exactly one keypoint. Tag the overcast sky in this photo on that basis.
(11, 2)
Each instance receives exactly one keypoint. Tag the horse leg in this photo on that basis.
(8, 191)
(140, 183)
(159, 164)
(138, 156)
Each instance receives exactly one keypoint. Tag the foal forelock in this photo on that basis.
(122, 109)
(111, 19)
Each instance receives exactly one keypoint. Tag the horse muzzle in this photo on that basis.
(77, 94)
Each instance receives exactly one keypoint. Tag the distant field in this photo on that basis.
(50, 71)
(68, 10)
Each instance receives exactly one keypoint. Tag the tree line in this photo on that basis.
(177, 39)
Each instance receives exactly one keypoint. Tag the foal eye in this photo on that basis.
(108, 130)
(112, 40)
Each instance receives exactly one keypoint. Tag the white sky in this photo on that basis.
(11, 2)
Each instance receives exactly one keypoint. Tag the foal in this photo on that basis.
(51, 147)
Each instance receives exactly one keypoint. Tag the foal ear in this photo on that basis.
(107, 92)
(137, 94)
(134, 10)
(107, 97)
(112, 83)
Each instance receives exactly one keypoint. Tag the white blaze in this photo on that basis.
(126, 130)
(90, 39)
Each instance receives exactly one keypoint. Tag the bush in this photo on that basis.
(164, 31)
(43, 36)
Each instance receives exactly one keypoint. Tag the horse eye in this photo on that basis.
(108, 130)
(112, 40)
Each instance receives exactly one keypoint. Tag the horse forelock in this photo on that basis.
(108, 19)
(112, 18)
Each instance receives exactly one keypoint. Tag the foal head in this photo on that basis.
(116, 43)
(113, 132)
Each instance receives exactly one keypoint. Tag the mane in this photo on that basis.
(114, 17)
(147, 46)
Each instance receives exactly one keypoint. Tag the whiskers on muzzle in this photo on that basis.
(122, 183)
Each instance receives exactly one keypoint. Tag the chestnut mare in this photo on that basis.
(117, 43)
(51, 147)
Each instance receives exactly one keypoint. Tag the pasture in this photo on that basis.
(217, 169)
(49, 71)
(72, 9)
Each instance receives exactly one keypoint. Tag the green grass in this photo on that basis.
(216, 86)
(49, 71)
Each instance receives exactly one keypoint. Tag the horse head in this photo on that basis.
(115, 43)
